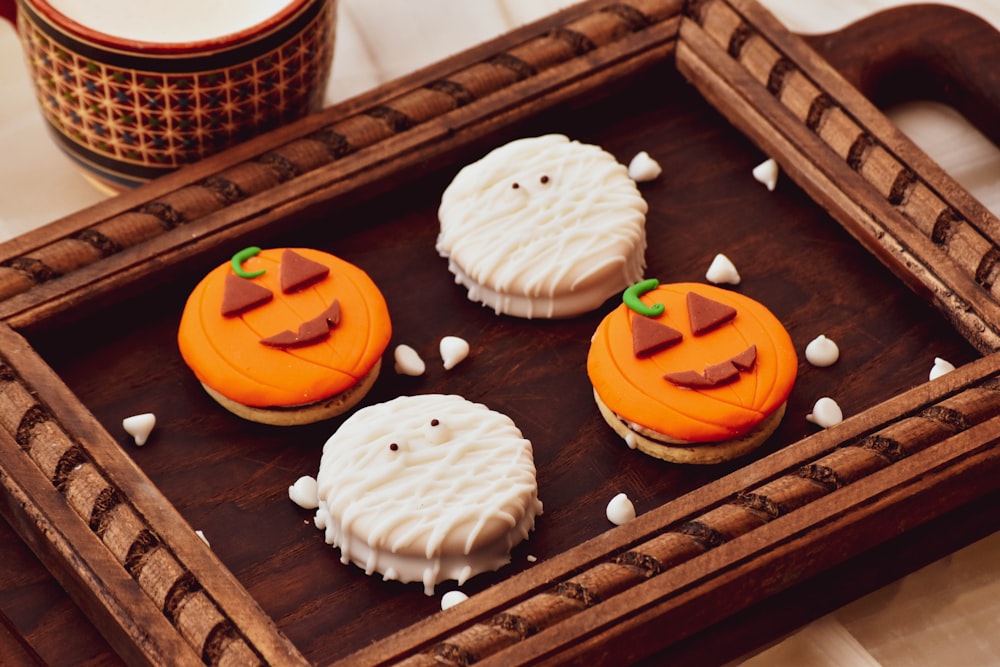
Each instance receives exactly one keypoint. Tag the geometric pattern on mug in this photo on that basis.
(156, 119)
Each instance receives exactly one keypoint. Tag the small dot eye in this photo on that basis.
(393, 446)
(544, 179)
(515, 185)
(434, 422)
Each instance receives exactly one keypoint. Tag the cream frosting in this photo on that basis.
(543, 227)
(427, 488)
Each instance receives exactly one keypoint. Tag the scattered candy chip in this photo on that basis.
(767, 173)
(826, 413)
(139, 427)
(620, 510)
(822, 352)
(941, 367)
(202, 536)
(453, 351)
(532, 559)
(452, 598)
(643, 168)
(408, 362)
(722, 271)
(304, 493)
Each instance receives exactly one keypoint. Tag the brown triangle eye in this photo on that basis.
(298, 272)
(240, 295)
(706, 314)
(650, 336)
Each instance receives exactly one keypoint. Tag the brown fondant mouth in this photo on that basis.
(310, 332)
(718, 374)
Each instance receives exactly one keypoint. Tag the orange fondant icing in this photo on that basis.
(226, 354)
(635, 388)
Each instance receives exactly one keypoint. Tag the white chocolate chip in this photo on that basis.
(643, 168)
(722, 270)
(304, 493)
(139, 427)
(203, 538)
(822, 352)
(767, 173)
(620, 510)
(453, 351)
(531, 559)
(408, 362)
(452, 598)
(631, 441)
(941, 367)
(825, 413)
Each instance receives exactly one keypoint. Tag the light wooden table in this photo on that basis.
(946, 613)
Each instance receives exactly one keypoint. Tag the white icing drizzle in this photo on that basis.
(447, 502)
(580, 233)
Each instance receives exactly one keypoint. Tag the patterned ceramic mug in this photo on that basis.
(132, 89)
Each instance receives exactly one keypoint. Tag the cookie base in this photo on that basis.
(302, 414)
(679, 451)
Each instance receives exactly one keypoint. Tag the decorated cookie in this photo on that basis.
(691, 373)
(543, 227)
(427, 488)
(285, 336)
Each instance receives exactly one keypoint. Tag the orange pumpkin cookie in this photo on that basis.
(691, 373)
(285, 336)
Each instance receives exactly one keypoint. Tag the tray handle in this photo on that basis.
(943, 54)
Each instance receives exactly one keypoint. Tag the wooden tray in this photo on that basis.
(91, 303)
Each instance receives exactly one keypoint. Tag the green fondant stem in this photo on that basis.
(630, 297)
(242, 256)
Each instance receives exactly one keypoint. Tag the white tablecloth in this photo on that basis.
(945, 614)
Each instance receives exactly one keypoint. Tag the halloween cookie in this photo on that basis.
(543, 227)
(691, 373)
(427, 488)
(285, 336)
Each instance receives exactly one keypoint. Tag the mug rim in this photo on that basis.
(225, 40)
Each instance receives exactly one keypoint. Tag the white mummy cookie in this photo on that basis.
(543, 227)
(427, 488)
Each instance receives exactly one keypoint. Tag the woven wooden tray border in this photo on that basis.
(159, 594)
